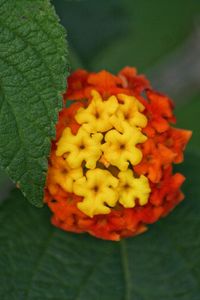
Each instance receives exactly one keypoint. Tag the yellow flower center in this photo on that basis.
(100, 155)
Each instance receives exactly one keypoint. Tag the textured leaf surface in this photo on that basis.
(42, 262)
(6, 185)
(33, 67)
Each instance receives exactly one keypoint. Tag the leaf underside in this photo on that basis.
(42, 262)
(33, 70)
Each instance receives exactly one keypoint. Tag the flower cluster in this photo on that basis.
(111, 165)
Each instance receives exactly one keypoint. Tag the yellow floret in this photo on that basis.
(129, 111)
(63, 177)
(80, 148)
(96, 117)
(120, 148)
(98, 188)
(131, 188)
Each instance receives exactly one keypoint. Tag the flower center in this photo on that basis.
(106, 176)
(122, 146)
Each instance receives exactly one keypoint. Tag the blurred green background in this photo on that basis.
(159, 38)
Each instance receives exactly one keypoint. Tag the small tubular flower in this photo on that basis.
(97, 192)
(80, 147)
(131, 188)
(120, 148)
(63, 177)
(96, 117)
(129, 111)
(111, 165)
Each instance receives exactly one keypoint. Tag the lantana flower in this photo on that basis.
(111, 165)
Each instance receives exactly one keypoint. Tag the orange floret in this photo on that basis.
(66, 118)
(134, 83)
(159, 109)
(125, 180)
(77, 83)
(156, 156)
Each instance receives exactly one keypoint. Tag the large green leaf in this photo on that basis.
(42, 262)
(6, 185)
(33, 69)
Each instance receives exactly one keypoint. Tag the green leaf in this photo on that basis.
(42, 262)
(33, 70)
(6, 185)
